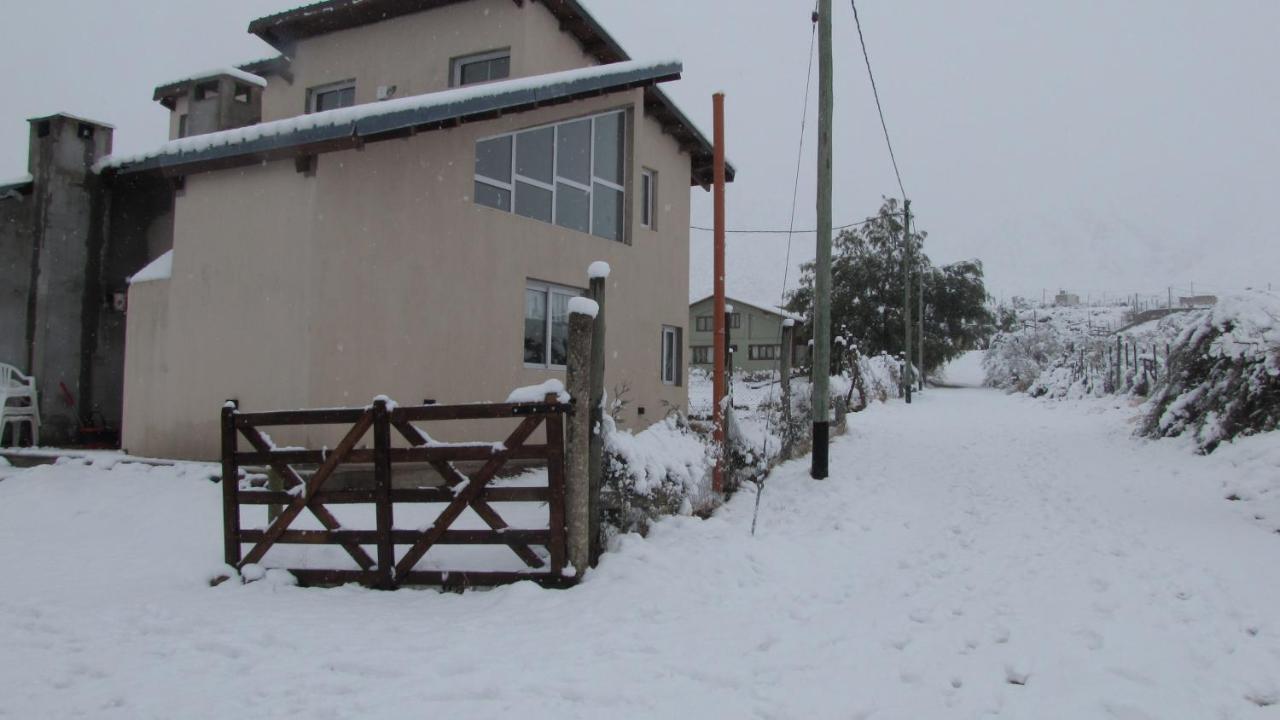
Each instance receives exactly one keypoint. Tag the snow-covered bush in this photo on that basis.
(1015, 359)
(662, 470)
(1224, 378)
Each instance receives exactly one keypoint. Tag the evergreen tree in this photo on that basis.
(866, 292)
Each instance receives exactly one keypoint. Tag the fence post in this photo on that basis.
(230, 488)
(555, 487)
(582, 313)
(382, 493)
(1119, 363)
(599, 275)
(784, 380)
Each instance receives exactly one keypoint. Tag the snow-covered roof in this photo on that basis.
(16, 182)
(159, 269)
(759, 305)
(382, 120)
(236, 73)
(73, 116)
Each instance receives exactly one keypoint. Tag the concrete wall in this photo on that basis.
(413, 52)
(68, 239)
(16, 246)
(758, 327)
(381, 275)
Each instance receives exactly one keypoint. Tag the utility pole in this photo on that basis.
(920, 324)
(908, 377)
(822, 270)
(720, 340)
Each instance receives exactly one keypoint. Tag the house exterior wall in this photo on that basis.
(381, 275)
(413, 52)
(757, 327)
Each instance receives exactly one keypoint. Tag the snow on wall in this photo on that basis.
(159, 269)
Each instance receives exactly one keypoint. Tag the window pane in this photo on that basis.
(535, 327)
(534, 154)
(533, 201)
(559, 329)
(668, 356)
(499, 68)
(474, 72)
(608, 146)
(573, 151)
(573, 208)
(607, 208)
(646, 200)
(494, 197)
(493, 159)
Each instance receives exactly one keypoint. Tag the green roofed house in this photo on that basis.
(755, 335)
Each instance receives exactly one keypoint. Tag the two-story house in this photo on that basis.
(403, 203)
(755, 335)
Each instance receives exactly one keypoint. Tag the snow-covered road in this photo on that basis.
(974, 555)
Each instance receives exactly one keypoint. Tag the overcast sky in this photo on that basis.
(1098, 146)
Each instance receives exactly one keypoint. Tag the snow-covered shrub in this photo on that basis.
(662, 470)
(1015, 359)
(1224, 378)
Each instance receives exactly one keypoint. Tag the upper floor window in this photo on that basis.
(570, 174)
(484, 67)
(648, 198)
(331, 97)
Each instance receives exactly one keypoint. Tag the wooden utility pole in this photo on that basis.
(822, 269)
(598, 277)
(721, 345)
(908, 377)
(920, 325)
(582, 319)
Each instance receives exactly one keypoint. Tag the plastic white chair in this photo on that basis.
(19, 403)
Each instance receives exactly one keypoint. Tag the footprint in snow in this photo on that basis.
(1016, 676)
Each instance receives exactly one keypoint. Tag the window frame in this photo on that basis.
(456, 65)
(706, 351)
(648, 198)
(757, 352)
(704, 323)
(676, 334)
(314, 93)
(549, 289)
(556, 178)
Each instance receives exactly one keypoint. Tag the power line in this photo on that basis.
(753, 231)
(876, 92)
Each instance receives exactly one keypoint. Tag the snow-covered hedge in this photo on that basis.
(662, 470)
(1224, 380)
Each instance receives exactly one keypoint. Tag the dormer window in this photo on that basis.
(331, 97)
(480, 68)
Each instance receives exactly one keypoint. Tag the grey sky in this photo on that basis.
(1099, 146)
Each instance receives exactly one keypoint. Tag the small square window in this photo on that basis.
(704, 324)
(206, 90)
(243, 94)
(42, 128)
(701, 354)
(480, 68)
(85, 131)
(331, 97)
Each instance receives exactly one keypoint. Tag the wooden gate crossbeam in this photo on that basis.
(307, 496)
(453, 478)
(464, 498)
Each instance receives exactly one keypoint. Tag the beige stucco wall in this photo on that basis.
(413, 52)
(380, 275)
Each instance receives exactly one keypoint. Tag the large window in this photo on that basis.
(331, 97)
(570, 174)
(480, 68)
(672, 349)
(546, 324)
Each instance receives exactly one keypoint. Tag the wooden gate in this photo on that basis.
(303, 474)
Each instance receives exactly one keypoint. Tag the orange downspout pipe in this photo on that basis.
(718, 384)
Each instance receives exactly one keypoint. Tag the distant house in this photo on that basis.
(755, 335)
(402, 203)
(1198, 301)
(1066, 299)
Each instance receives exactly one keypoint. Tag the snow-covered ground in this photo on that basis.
(975, 554)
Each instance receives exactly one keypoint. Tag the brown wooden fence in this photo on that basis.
(304, 474)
